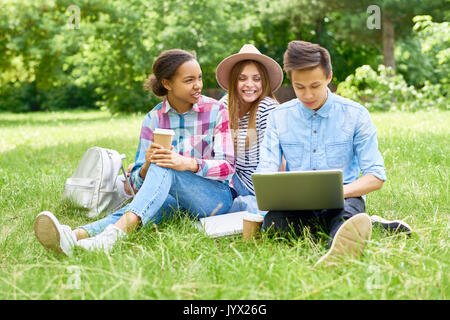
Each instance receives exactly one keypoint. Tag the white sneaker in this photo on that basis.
(104, 240)
(391, 225)
(52, 235)
(350, 239)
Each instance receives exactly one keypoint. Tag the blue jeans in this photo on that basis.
(246, 200)
(163, 191)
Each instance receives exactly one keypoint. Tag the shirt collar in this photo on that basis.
(166, 107)
(323, 112)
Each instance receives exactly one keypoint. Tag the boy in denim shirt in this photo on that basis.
(320, 131)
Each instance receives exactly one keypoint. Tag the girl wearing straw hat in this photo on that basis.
(250, 79)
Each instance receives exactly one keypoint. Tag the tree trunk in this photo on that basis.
(388, 40)
(35, 101)
(319, 30)
(299, 34)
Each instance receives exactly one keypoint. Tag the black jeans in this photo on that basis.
(328, 221)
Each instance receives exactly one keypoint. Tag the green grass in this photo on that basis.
(39, 151)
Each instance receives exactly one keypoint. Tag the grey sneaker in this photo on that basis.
(391, 225)
(350, 239)
(52, 235)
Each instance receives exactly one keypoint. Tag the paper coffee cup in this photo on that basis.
(251, 225)
(163, 137)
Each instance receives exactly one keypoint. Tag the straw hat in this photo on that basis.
(249, 52)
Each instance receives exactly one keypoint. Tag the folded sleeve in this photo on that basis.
(366, 147)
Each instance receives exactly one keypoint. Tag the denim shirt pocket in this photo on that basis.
(293, 152)
(339, 154)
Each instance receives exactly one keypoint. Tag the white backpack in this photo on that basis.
(96, 184)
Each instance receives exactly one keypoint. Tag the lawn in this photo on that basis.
(39, 151)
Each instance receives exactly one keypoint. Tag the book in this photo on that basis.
(222, 225)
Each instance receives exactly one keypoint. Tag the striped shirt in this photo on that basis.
(248, 160)
(202, 133)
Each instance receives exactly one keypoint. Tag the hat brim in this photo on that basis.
(274, 70)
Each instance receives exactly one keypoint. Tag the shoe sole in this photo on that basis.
(392, 225)
(47, 233)
(350, 240)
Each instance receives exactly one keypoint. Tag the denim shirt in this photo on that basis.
(340, 135)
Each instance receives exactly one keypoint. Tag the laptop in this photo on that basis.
(299, 190)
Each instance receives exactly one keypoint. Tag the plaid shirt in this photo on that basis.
(202, 133)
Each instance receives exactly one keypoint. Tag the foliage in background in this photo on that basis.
(46, 65)
(385, 90)
(113, 48)
(426, 56)
(282, 21)
(382, 90)
(349, 19)
(24, 96)
(426, 67)
(36, 67)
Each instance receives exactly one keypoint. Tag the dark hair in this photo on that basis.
(164, 67)
(301, 55)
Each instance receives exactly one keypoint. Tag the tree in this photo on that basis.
(282, 21)
(213, 29)
(350, 17)
(38, 47)
(115, 44)
(425, 57)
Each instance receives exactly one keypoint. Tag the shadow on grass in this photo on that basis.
(36, 122)
(65, 154)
